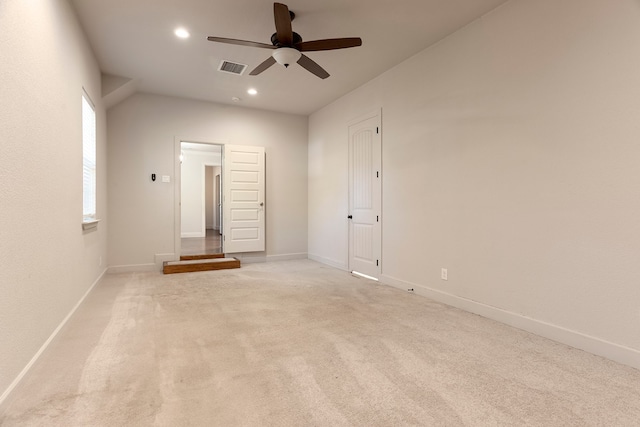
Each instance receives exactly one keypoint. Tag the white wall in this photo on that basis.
(142, 131)
(193, 197)
(510, 157)
(48, 263)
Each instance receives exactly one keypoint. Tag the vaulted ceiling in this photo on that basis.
(134, 40)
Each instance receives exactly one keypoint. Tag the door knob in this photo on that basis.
(261, 203)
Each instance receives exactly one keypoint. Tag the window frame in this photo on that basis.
(89, 162)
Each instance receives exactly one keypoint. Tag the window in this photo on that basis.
(88, 161)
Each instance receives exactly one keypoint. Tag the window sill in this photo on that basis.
(89, 224)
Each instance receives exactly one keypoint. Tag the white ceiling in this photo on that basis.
(134, 39)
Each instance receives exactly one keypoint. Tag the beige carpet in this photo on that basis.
(300, 344)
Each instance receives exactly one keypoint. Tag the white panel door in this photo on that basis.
(243, 201)
(365, 196)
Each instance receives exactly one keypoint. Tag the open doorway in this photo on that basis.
(200, 199)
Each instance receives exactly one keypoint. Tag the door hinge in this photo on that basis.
(377, 130)
(377, 263)
(377, 218)
(377, 174)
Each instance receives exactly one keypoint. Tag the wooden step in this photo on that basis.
(203, 256)
(171, 267)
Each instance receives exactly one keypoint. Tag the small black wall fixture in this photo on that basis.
(153, 177)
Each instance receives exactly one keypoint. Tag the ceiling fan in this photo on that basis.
(288, 46)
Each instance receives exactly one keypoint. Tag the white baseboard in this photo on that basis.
(251, 260)
(618, 353)
(44, 346)
(330, 262)
(192, 234)
(287, 257)
(133, 268)
(161, 258)
(249, 257)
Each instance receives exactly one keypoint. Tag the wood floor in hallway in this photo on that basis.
(211, 244)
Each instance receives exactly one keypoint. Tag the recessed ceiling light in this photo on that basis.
(182, 33)
(252, 91)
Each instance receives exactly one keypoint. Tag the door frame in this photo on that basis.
(177, 188)
(217, 183)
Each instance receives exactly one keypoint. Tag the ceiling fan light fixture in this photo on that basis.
(286, 56)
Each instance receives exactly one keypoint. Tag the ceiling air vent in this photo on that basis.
(232, 67)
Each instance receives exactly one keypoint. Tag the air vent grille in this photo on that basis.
(232, 67)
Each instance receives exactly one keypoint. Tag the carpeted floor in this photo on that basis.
(301, 344)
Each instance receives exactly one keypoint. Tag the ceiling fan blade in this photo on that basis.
(329, 44)
(283, 24)
(311, 66)
(260, 68)
(240, 42)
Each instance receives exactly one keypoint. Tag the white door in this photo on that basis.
(243, 199)
(365, 196)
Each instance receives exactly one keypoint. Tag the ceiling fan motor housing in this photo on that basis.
(296, 39)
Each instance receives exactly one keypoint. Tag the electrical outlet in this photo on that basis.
(444, 274)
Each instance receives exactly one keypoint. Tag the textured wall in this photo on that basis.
(510, 157)
(142, 131)
(48, 263)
